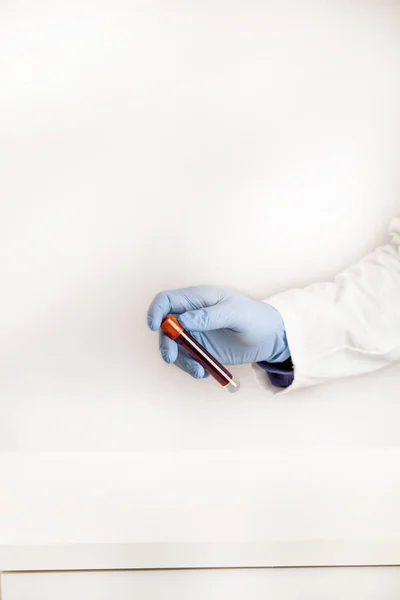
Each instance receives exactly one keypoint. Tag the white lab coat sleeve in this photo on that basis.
(348, 326)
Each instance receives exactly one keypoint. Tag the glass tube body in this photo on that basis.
(175, 331)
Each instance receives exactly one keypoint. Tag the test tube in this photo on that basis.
(174, 330)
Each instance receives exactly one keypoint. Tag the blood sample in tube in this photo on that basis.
(174, 330)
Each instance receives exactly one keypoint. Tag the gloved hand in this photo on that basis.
(231, 326)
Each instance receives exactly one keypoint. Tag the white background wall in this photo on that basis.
(196, 497)
(147, 146)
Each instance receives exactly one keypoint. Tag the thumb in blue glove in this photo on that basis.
(231, 326)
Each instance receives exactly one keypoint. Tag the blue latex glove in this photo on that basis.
(231, 326)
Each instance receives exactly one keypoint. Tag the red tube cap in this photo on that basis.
(171, 327)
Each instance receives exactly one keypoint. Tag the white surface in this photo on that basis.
(305, 507)
(258, 584)
(265, 132)
(199, 555)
